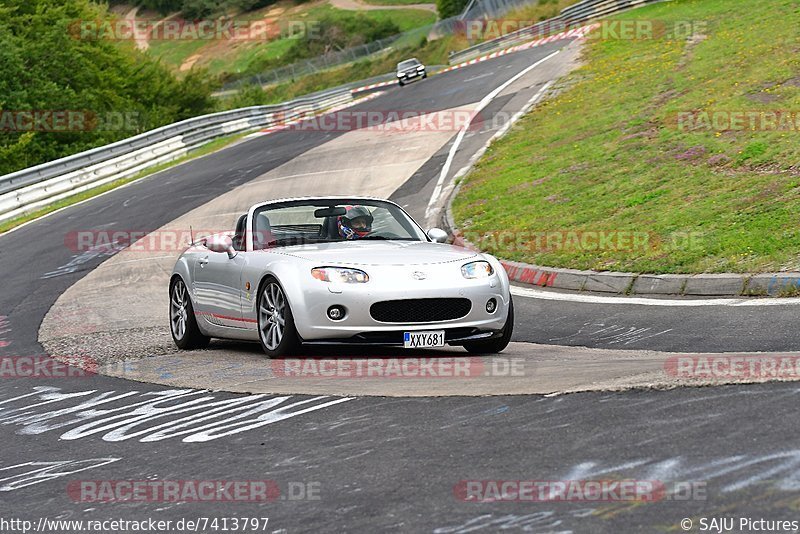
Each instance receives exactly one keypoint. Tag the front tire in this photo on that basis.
(493, 346)
(182, 321)
(276, 328)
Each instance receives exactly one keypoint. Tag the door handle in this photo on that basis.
(203, 261)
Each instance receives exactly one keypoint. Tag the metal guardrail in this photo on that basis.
(571, 17)
(312, 65)
(540, 29)
(590, 9)
(343, 87)
(29, 189)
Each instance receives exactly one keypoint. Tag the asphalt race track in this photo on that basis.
(353, 463)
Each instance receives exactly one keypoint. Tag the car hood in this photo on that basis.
(379, 253)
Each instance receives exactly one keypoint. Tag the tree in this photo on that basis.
(48, 67)
(450, 8)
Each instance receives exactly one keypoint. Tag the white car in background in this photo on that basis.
(410, 70)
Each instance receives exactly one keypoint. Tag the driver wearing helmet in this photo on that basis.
(355, 223)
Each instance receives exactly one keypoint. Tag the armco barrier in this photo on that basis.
(540, 29)
(29, 189)
(570, 17)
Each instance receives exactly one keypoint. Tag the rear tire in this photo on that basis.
(276, 329)
(493, 346)
(182, 321)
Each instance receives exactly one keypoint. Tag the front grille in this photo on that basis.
(420, 310)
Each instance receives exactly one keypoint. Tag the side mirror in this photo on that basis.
(221, 243)
(437, 235)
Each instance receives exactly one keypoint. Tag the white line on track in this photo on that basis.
(153, 258)
(481, 105)
(331, 171)
(638, 301)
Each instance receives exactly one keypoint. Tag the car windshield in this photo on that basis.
(326, 221)
(407, 64)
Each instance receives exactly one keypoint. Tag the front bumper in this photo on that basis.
(359, 327)
(453, 336)
(411, 76)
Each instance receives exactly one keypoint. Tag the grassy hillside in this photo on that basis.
(430, 53)
(543, 10)
(336, 29)
(626, 148)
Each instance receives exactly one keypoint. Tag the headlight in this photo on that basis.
(421, 67)
(340, 275)
(399, 74)
(477, 269)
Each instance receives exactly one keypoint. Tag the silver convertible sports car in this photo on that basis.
(338, 270)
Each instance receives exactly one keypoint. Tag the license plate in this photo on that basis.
(416, 340)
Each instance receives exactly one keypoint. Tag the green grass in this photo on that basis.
(239, 61)
(396, 2)
(406, 19)
(430, 53)
(223, 58)
(208, 148)
(542, 10)
(607, 154)
(174, 53)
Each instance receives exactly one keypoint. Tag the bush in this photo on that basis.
(196, 9)
(333, 34)
(450, 8)
(46, 68)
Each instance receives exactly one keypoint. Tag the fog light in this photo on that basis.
(491, 305)
(336, 313)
